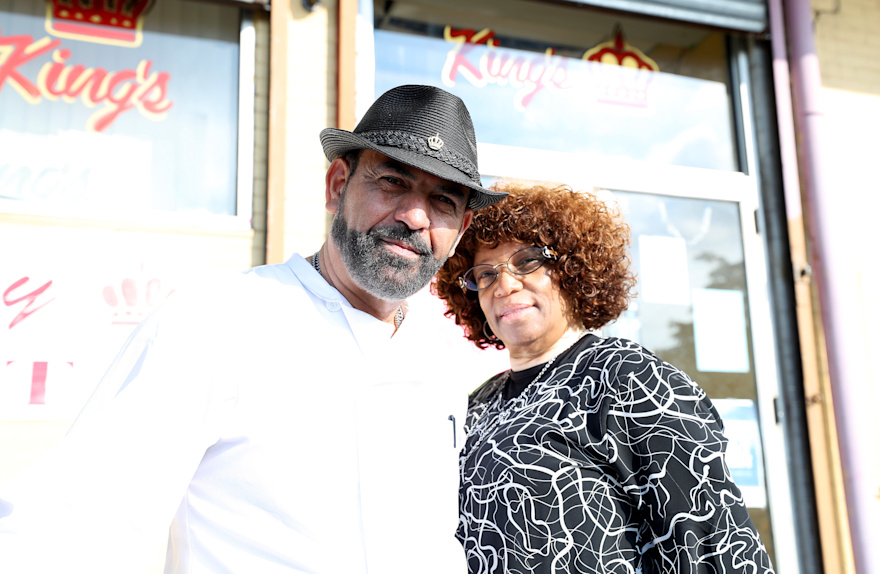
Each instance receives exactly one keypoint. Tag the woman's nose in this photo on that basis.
(507, 282)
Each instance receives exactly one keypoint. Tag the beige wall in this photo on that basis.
(847, 45)
(305, 104)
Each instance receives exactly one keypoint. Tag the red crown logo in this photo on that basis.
(116, 22)
(623, 72)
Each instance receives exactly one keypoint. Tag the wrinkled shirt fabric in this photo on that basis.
(276, 428)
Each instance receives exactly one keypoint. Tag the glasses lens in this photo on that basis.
(522, 262)
(526, 261)
(479, 277)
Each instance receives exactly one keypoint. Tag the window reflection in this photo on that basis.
(534, 90)
(99, 126)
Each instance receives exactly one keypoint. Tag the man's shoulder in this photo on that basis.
(283, 273)
(264, 279)
(230, 293)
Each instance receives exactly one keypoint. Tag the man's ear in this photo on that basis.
(465, 223)
(336, 178)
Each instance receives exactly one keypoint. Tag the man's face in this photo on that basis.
(396, 225)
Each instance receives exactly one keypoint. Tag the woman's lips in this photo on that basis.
(511, 312)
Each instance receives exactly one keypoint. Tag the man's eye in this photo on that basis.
(392, 180)
(448, 200)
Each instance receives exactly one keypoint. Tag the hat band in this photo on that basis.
(407, 141)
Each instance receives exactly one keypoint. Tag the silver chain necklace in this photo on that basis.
(544, 370)
(398, 315)
(498, 401)
(504, 410)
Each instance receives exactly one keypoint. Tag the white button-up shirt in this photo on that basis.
(274, 426)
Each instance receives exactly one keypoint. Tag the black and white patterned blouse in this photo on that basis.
(613, 462)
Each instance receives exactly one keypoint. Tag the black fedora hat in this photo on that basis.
(422, 126)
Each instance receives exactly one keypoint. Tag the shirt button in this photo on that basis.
(334, 305)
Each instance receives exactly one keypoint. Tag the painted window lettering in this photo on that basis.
(31, 299)
(119, 91)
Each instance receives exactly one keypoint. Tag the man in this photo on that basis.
(282, 420)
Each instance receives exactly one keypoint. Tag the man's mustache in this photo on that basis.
(409, 237)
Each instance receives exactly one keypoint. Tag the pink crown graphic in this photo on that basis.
(133, 299)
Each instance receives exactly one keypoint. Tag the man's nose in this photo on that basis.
(413, 211)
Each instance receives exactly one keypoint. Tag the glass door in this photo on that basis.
(701, 305)
(646, 115)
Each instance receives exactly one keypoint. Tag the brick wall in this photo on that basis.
(848, 43)
(261, 136)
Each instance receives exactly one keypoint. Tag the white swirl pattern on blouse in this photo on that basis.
(614, 462)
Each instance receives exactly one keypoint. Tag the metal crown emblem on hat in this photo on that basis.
(435, 143)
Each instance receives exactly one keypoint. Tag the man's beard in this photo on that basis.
(378, 271)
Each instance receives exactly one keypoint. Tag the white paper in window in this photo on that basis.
(720, 331)
(663, 273)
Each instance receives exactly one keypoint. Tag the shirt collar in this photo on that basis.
(369, 330)
(314, 281)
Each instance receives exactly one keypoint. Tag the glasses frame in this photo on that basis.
(545, 252)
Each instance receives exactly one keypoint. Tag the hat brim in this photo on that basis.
(337, 143)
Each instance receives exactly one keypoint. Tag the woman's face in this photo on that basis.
(525, 311)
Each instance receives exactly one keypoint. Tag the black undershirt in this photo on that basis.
(519, 380)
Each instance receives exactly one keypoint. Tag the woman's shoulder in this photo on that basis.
(488, 389)
(625, 356)
(635, 373)
(623, 364)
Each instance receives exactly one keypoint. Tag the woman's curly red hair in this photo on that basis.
(590, 238)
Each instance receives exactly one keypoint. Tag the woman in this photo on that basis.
(589, 454)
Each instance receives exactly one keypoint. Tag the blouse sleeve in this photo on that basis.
(667, 446)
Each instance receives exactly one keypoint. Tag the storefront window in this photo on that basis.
(571, 81)
(643, 111)
(113, 112)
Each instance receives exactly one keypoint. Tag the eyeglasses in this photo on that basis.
(523, 262)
